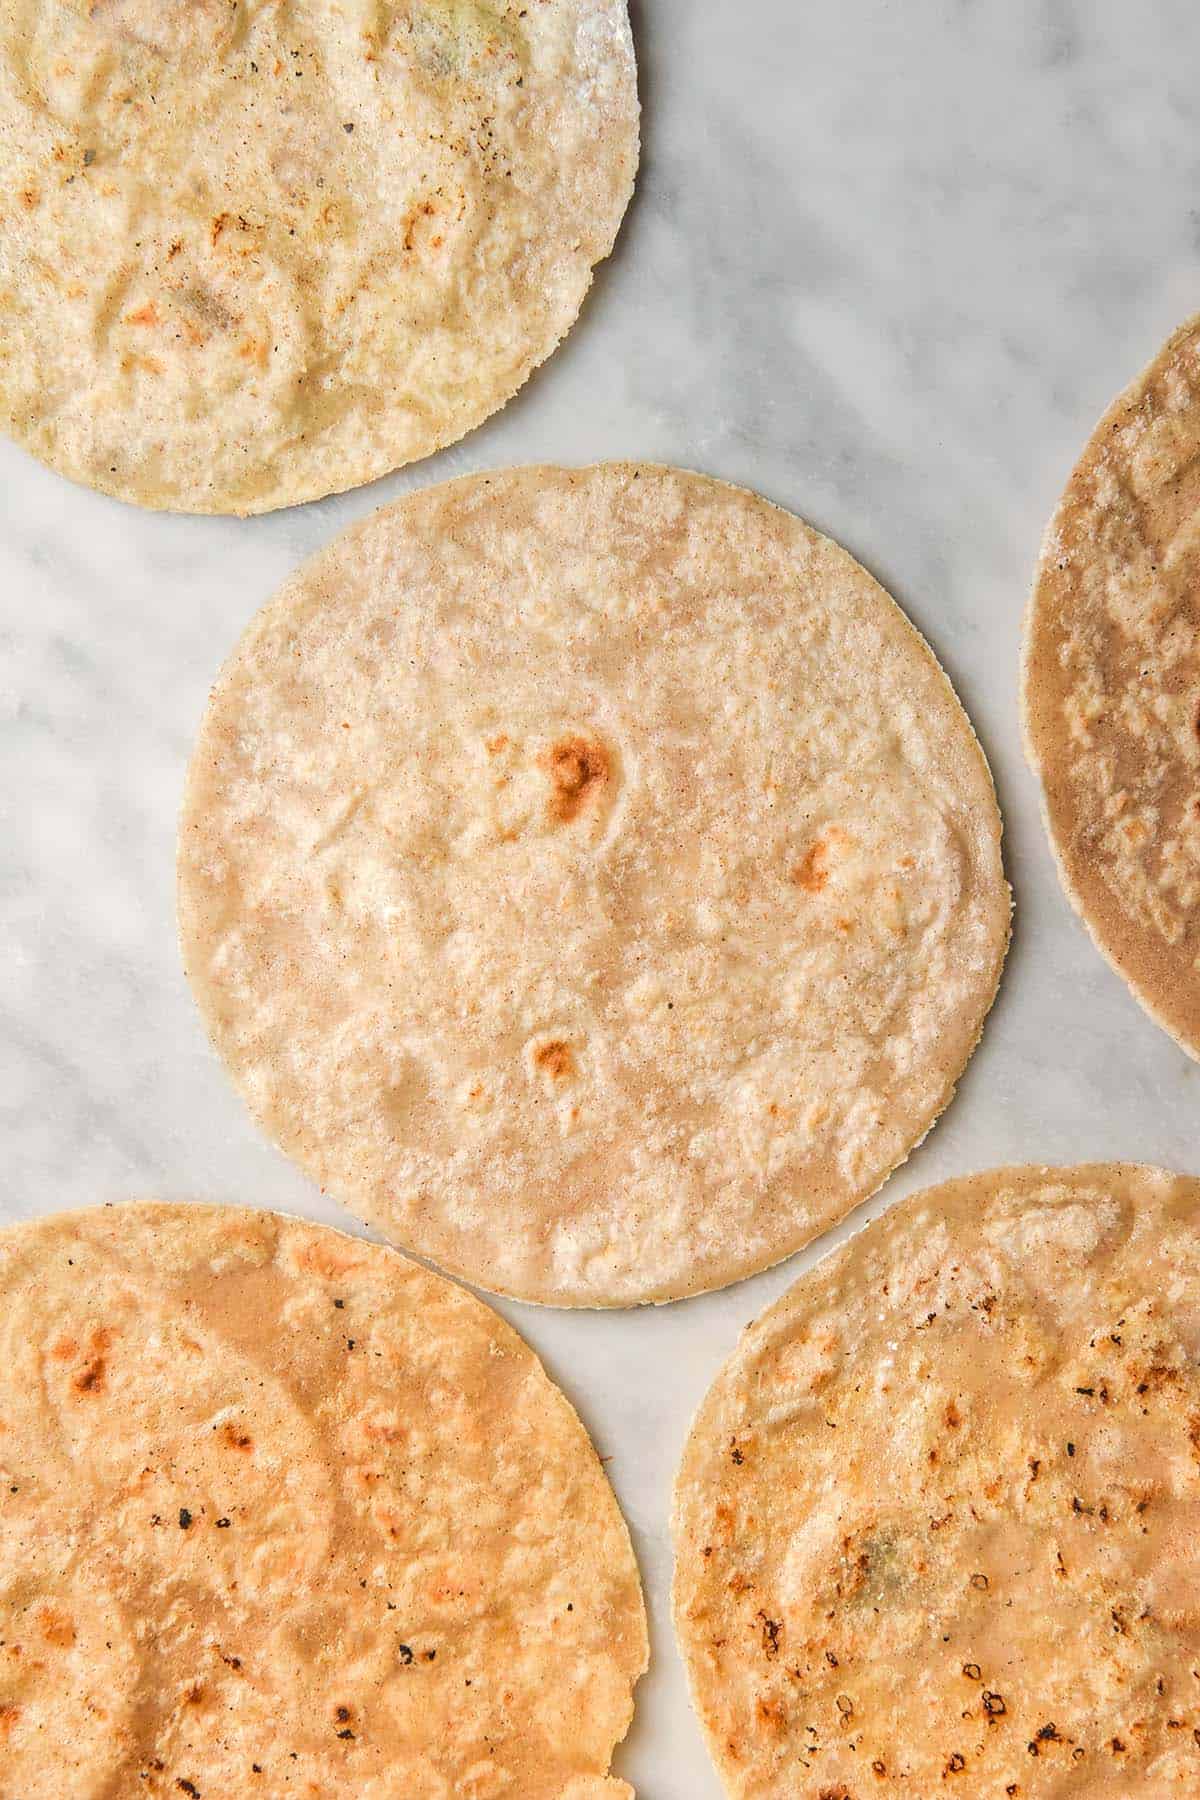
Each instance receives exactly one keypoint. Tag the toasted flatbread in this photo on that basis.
(1111, 703)
(253, 253)
(285, 1514)
(592, 879)
(937, 1525)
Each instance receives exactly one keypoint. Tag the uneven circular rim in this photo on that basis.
(146, 1209)
(1103, 924)
(666, 1293)
(693, 1456)
(378, 468)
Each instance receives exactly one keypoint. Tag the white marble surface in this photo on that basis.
(888, 262)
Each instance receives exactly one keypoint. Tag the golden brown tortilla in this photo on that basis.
(937, 1526)
(286, 1515)
(256, 251)
(1112, 691)
(592, 879)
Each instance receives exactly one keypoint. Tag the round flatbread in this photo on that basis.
(1110, 686)
(286, 1514)
(937, 1526)
(592, 879)
(252, 253)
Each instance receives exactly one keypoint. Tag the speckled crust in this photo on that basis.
(1110, 686)
(592, 879)
(256, 251)
(937, 1525)
(284, 1514)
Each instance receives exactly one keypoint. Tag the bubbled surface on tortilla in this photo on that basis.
(285, 1514)
(1111, 697)
(591, 878)
(937, 1525)
(255, 251)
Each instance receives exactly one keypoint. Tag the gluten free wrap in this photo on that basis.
(591, 878)
(254, 253)
(285, 1513)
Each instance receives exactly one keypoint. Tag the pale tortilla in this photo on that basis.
(252, 252)
(285, 1514)
(937, 1525)
(592, 879)
(1111, 697)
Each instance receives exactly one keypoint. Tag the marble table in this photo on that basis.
(887, 263)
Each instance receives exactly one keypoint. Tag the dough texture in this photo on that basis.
(1111, 696)
(937, 1525)
(591, 878)
(285, 1514)
(257, 251)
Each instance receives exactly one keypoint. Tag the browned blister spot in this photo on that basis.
(234, 1438)
(90, 1378)
(328, 1261)
(149, 364)
(579, 769)
(771, 1716)
(9, 1714)
(555, 1059)
(813, 870)
(380, 1432)
(425, 210)
(57, 1627)
(1159, 1378)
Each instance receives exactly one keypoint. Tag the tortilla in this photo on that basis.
(285, 1514)
(1110, 692)
(937, 1525)
(252, 253)
(591, 878)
